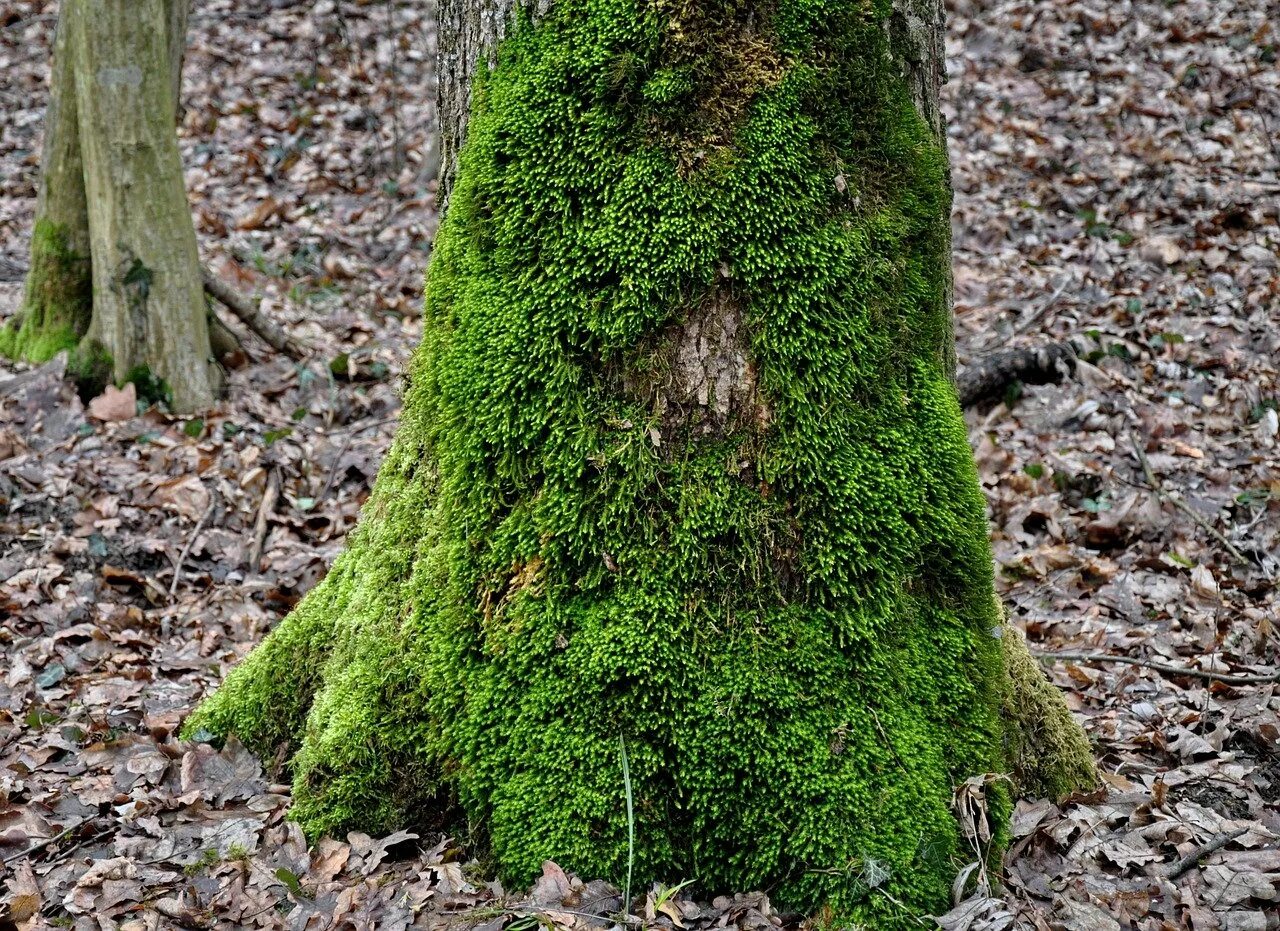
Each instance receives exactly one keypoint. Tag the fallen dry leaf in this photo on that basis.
(115, 403)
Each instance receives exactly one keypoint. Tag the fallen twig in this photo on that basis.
(269, 495)
(1167, 668)
(1025, 323)
(1158, 487)
(191, 541)
(249, 311)
(1187, 863)
(48, 841)
(333, 471)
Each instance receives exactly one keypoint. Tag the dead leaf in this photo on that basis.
(115, 403)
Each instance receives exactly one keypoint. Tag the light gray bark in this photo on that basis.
(149, 307)
(60, 198)
(468, 32)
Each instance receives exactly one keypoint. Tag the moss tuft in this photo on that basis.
(89, 365)
(57, 299)
(151, 388)
(789, 618)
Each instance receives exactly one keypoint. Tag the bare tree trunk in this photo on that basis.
(149, 308)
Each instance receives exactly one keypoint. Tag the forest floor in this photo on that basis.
(1117, 172)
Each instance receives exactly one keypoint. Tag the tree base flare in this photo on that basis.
(770, 578)
(1049, 751)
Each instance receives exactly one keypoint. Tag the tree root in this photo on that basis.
(1049, 750)
(1168, 669)
(249, 311)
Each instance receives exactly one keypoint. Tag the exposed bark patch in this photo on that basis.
(699, 375)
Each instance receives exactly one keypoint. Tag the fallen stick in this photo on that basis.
(1167, 668)
(48, 841)
(990, 375)
(1158, 487)
(1185, 865)
(191, 541)
(249, 312)
(269, 495)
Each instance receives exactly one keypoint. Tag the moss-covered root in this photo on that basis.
(57, 301)
(264, 700)
(1048, 748)
(329, 689)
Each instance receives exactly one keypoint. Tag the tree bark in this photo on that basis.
(149, 308)
(681, 468)
(468, 33)
(115, 272)
(57, 298)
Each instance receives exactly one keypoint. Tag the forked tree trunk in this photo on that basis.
(681, 470)
(115, 271)
(149, 307)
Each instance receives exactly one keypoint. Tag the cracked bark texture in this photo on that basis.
(468, 33)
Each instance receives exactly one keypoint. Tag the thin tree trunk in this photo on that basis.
(57, 297)
(149, 307)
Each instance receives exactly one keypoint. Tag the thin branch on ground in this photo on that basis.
(1187, 863)
(48, 841)
(269, 495)
(249, 312)
(1163, 494)
(1166, 668)
(191, 542)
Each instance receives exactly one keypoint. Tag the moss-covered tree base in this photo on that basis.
(56, 302)
(1048, 750)
(680, 466)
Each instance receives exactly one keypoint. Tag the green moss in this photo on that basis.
(790, 620)
(151, 388)
(57, 299)
(1049, 751)
(89, 365)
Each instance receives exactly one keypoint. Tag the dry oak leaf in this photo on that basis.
(115, 403)
(24, 900)
(223, 776)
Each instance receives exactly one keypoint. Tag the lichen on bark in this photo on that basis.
(789, 618)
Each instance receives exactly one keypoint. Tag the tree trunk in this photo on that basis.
(57, 299)
(149, 308)
(681, 470)
(115, 269)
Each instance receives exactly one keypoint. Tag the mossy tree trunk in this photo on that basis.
(680, 468)
(57, 298)
(115, 271)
